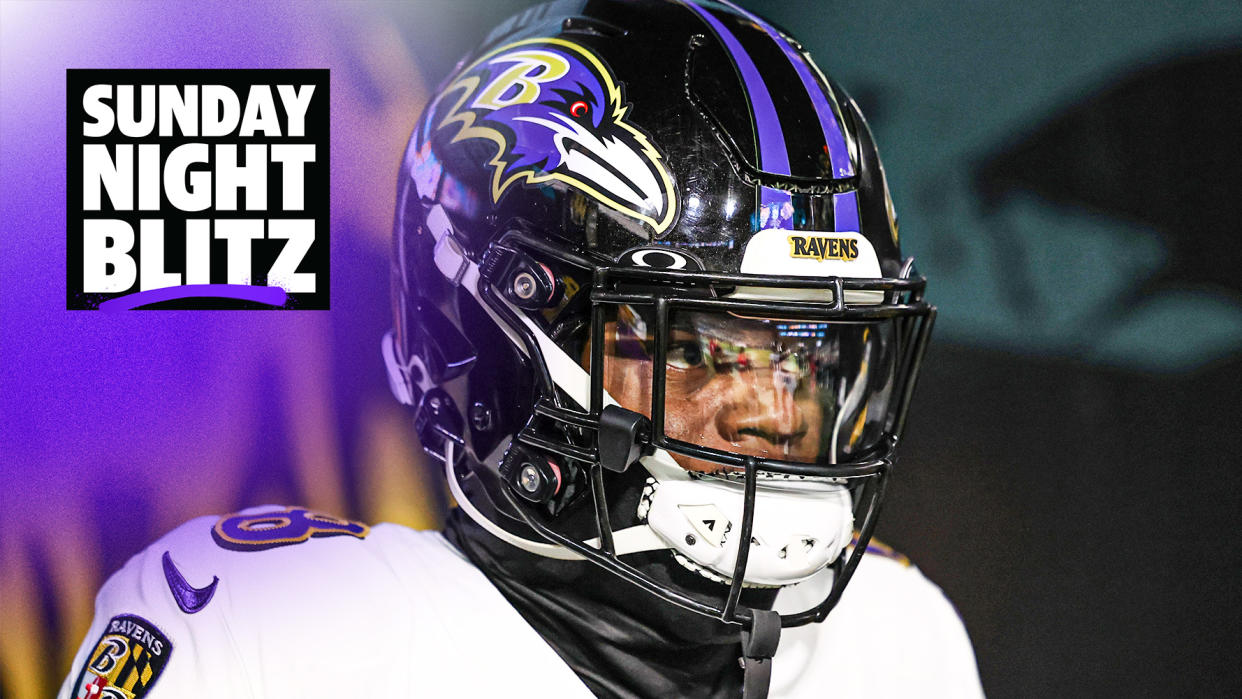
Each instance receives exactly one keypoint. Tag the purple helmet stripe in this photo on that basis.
(772, 198)
(773, 157)
(838, 151)
(845, 212)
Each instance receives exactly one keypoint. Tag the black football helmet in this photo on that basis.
(648, 294)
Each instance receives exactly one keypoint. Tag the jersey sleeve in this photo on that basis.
(141, 644)
(246, 605)
(280, 602)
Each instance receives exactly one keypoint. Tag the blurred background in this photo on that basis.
(1068, 174)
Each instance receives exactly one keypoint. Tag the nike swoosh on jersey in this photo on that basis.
(191, 599)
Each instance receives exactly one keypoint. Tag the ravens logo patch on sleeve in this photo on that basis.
(126, 662)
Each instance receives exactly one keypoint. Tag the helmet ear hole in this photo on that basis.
(445, 351)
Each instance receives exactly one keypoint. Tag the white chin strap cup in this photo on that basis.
(796, 531)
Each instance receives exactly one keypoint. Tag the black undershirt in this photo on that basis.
(621, 640)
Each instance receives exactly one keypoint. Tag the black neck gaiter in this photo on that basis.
(621, 640)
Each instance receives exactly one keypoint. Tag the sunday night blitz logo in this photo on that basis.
(197, 189)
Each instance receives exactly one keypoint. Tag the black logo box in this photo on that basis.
(263, 251)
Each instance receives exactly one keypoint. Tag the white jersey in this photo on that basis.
(280, 602)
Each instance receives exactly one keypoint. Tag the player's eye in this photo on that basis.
(686, 354)
(579, 108)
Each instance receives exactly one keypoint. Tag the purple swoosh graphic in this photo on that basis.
(191, 599)
(838, 152)
(267, 295)
(772, 155)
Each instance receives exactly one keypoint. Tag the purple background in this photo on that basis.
(119, 426)
(1070, 473)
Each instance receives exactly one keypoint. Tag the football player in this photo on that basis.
(653, 322)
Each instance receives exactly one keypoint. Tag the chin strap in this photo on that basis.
(758, 646)
(630, 540)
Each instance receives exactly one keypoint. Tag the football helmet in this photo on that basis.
(648, 295)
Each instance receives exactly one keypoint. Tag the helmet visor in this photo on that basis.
(794, 390)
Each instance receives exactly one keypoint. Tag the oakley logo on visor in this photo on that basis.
(659, 258)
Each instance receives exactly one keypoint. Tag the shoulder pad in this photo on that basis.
(194, 613)
(875, 547)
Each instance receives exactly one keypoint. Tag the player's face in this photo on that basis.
(748, 386)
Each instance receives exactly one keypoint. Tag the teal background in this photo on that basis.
(946, 85)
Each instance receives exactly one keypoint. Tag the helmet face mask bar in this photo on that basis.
(607, 436)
